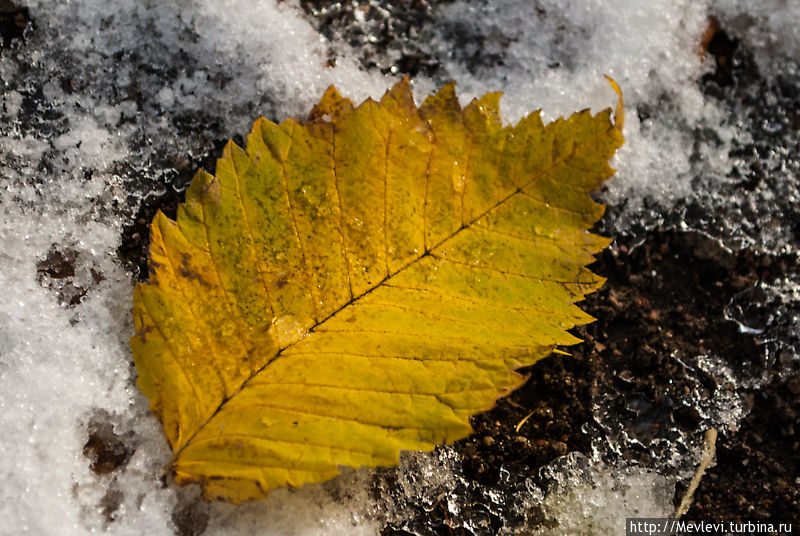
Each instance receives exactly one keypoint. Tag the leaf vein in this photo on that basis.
(374, 390)
(173, 353)
(425, 202)
(549, 206)
(486, 268)
(288, 441)
(306, 269)
(340, 209)
(260, 270)
(469, 337)
(466, 176)
(428, 314)
(214, 262)
(403, 358)
(464, 298)
(195, 317)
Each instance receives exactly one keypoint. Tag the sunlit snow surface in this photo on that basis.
(106, 101)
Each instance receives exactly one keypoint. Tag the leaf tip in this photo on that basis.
(331, 103)
(619, 112)
(203, 189)
(443, 103)
(487, 106)
(401, 93)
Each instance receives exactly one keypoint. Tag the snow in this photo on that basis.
(589, 498)
(105, 96)
(770, 29)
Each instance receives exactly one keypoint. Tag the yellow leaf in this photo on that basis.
(363, 282)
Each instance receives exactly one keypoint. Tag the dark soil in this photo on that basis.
(15, 21)
(378, 30)
(757, 475)
(57, 272)
(106, 448)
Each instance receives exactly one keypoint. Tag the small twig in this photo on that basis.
(520, 423)
(709, 448)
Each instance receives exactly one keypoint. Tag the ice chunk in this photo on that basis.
(589, 498)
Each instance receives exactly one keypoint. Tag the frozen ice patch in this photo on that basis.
(589, 498)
